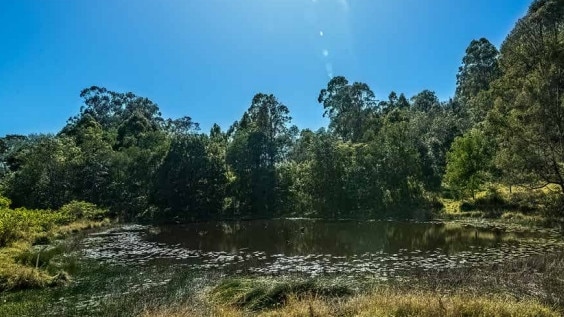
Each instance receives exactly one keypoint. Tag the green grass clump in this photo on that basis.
(33, 225)
(257, 294)
(16, 277)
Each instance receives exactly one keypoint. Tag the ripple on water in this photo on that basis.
(128, 245)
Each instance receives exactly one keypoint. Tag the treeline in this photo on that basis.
(376, 158)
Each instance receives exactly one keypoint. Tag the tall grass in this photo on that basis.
(234, 298)
(21, 265)
(256, 294)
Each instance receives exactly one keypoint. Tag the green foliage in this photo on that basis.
(375, 159)
(348, 106)
(258, 294)
(479, 69)
(47, 167)
(425, 101)
(77, 210)
(527, 116)
(468, 162)
(5, 202)
(259, 141)
(22, 223)
(190, 181)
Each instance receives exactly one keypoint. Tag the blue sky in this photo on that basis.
(207, 58)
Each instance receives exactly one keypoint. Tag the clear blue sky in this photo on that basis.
(207, 58)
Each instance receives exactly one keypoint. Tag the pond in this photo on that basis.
(379, 249)
(118, 270)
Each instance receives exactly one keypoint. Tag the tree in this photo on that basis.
(528, 117)
(269, 119)
(468, 162)
(327, 172)
(183, 125)
(10, 146)
(94, 166)
(190, 184)
(425, 101)
(111, 109)
(399, 163)
(258, 142)
(47, 175)
(348, 107)
(480, 67)
(402, 102)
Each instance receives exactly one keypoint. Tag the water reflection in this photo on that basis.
(379, 248)
(303, 237)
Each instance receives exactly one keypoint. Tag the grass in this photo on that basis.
(257, 294)
(523, 287)
(26, 259)
(108, 290)
(381, 301)
(530, 286)
(520, 206)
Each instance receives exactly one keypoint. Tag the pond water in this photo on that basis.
(381, 249)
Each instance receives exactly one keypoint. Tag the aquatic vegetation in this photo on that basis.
(377, 250)
(175, 288)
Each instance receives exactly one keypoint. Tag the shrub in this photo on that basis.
(22, 223)
(4, 202)
(76, 210)
(13, 226)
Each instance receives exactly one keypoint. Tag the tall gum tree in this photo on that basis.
(529, 105)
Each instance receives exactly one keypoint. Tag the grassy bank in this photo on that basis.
(529, 287)
(526, 287)
(383, 303)
(512, 205)
(31, 243)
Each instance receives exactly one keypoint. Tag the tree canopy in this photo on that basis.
(375, 158)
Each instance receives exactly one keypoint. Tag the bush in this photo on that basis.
(4, 202)
(76, 210)
(16, 224)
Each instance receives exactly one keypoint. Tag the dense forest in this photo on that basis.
(376, 158)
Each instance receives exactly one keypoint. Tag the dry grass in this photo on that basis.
(380, 303)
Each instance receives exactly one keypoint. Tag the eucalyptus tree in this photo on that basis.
(258, 143)
(479, 69)
(528, 117)
(348, 106)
